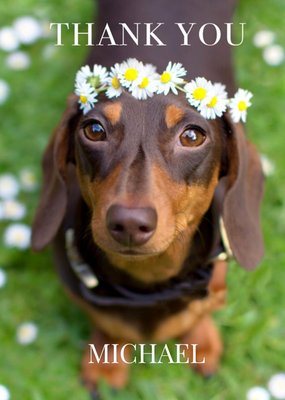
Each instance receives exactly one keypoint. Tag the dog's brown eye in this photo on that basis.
(94, 131)
(192, 138)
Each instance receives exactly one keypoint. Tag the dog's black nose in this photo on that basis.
(131, 226)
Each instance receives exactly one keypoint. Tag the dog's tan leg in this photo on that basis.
(115, 374)
(205, 333)
(209, 346)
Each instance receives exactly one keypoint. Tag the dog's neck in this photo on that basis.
(184, 254)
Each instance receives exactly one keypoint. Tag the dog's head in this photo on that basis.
(148, 171)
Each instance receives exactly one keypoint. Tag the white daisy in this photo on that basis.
(9, 187)
(87, 96)
(18, 60)
(28, 29)
(257, 393)
(274, 55)
(239, 105)
(114, 86)
(18, 236)
(13, 210)
(171, 77)
(263, 38)
(28, 180)
(8, 39)
(215, 103)
(27, 333)
(198, 90)
(3, 280)
(146, 84)
(276, 385)
(4, 393)
(4, 91)
(130, 71)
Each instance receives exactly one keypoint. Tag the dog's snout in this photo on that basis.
(131, 226)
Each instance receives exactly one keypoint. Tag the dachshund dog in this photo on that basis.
(140, 213)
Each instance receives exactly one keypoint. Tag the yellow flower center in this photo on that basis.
(199, 93)
(165, 77)
(19, 237)
(144, 83)
(131, 74)
(115, 83)
(83, 99)
(242, 106)
(213, 102)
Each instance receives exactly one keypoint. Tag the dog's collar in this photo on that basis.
(100, 293)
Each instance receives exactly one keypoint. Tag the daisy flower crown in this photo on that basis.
(142, 81)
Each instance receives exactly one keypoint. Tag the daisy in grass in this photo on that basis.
(215, 103)
(96, 77)
(171, 77)
(18, 60)
(27, 333)
(18, 236)
(13, 210)
(276, 385)
(239, 105)
(27, 180)
(28, 29)
(8, 39)
(87, 96)
(130, 71)
(114, 86)
(9, 187)
(146, 84)
(257, 393)
(197, 91)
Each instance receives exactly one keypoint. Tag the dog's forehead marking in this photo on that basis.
(173, 114)
(113, 112)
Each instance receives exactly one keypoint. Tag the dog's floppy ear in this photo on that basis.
(243, 196)
(53, 199)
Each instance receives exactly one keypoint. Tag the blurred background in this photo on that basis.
(42, 334)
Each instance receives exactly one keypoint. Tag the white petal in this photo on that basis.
(27, 333)
(274, 55)
(257, 393)
(276, 385)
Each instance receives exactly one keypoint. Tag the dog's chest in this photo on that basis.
(153, 324)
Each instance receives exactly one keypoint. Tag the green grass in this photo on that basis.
(253, 323)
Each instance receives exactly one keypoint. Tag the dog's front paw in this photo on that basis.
(102, 366)
(207, 350)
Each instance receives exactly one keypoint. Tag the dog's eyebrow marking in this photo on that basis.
(173, 115)
(113, 112)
